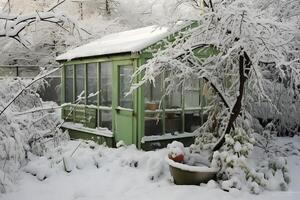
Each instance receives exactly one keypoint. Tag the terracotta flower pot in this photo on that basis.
(151, 106)
(178, 158)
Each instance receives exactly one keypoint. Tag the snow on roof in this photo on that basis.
(127, 41)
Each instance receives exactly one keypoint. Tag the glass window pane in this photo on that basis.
(69, 84)
(192, 120)
(173, 117)
(153, 94)
(92, 83)
(173, 122)
(106, 83)
(8, 71)
(106, 119)
(173, 100)
(153, 124)
(192, 93)
(124, 86)
(79, 74)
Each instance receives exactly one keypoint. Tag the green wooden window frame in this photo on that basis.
(85, 105)
(163, 112)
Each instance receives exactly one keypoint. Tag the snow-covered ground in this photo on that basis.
(101, 173)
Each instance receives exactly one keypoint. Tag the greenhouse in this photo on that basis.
(96, 78)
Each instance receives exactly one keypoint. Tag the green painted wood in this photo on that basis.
(74, 91)
(85, 83)
(135, 107)
(98, 95)
(95, 59)
(140, 105)
(124, 119)
(79, 115)
(182, 109)
(163, 104)
(63, 88)
(67, 113)
(162, 44)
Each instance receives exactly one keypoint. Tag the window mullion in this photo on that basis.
(85, 84)
(99, 93)
(163, 103)
(182, 108)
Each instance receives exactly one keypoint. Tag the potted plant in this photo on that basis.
(152, 106)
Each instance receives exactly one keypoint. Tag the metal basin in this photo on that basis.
(190, 175)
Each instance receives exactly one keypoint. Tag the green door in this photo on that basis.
(124, 104)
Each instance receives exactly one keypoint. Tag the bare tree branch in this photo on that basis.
(56, 5)
(14, 25)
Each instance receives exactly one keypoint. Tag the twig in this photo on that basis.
(55, 6)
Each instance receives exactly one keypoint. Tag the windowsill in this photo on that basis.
(96, 131)
(171, 110)
(88, 106)
(167, 136)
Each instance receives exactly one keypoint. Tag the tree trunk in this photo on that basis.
(244, 69)
(107, 8)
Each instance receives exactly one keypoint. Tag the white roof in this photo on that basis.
(127, 41)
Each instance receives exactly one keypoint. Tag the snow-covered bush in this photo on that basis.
(235, 170)
(275, 173)
(22, 134)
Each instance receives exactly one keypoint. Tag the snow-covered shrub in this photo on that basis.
(205, 141)
(276, 173)
(231, 160)
(21, 133)
(235, 170)
(274, 163)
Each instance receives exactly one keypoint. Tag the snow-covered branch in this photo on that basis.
(12, 25)
(26, 87)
